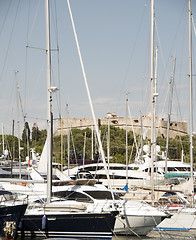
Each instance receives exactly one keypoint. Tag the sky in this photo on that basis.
(114, 39)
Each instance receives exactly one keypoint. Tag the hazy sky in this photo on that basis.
(114, 37)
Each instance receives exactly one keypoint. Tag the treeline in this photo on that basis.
(118, 145)
(80, 144)
(33, 138)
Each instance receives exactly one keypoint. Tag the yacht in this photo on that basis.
(63, 219)
(135, 217)
(118, 174)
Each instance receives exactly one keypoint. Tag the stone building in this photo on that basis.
(133, 124)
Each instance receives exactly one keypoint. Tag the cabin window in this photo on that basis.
(93, 168)
(72, 195)
(101, 195)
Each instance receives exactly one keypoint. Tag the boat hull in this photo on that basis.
(10, 217)
(178, 222)
(74, 225)
(136, 225)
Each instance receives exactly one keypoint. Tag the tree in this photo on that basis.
(26, 133)
(36, 133)
(25, 138)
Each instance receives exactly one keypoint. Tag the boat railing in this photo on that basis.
(14, 198)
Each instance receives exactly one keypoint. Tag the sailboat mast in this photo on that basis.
(18, 122)
(126, 142)
(49, 104)
(3, 144)
(152, 103)
(92, 143)
(190, 92)
(169, 112)
(61, 144)
(68, 139)
(108, 140)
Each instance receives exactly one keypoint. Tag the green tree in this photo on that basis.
(26, 133)
(36, 133)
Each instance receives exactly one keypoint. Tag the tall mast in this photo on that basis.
(68, 138)
(3, 144)
(92, 143)
(126, 142)
(61, 144)
(18, 121)
(171, 83)
(141, 136)
(108, 140)
(84, 149)
(152, 103)
(49, 105)
(190, 94)
(155, 95)
(13, 148)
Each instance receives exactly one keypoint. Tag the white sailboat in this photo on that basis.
(184, 217)
(51, 218)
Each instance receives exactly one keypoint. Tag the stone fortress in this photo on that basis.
(140, 125)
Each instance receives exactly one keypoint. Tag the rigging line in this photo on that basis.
(20, 100)
(134, 136)
(59, 80)
(131, 154)
(36, 118)
(174, 39)
(178, 109)
(145, 105)
(90, 101)
(74, 149)
(5, 17)
(36, 85)
(147, 89)
(131, 57)
(58, 61)
(29, 34)
(54, 16)
(10, 39)
(193, 25)
(164, 65)
(58, 94)
(26, 60)
(173, 42)
(11, 102)
(36, 48)
(33, 23)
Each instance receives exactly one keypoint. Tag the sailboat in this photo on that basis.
(51, 218)
(184, 216)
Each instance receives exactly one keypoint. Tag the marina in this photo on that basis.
(143, 191)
